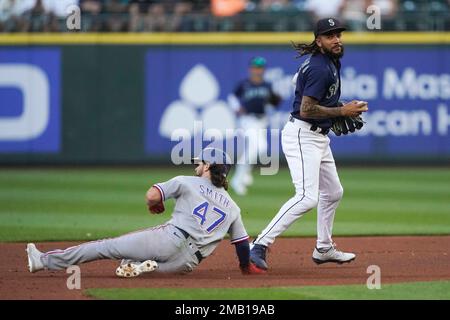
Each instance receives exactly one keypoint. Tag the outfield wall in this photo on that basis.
(116, 98)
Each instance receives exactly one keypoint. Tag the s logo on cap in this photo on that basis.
(331, 21)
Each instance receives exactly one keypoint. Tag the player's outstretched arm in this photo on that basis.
(154, 200)
(310, 108)
(243, 253)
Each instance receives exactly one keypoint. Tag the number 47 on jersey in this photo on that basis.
(201, 212)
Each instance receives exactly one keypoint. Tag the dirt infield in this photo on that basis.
(401, 259)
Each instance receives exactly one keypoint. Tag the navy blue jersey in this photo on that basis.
(319, 78)
(253, 97)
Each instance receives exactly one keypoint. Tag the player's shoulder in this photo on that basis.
(313, 63)
(314, 71)
(243, 82)
(317, 58)
(184, 179)
(225, 193)
(233, 203)
(188, 179)
(231, 199)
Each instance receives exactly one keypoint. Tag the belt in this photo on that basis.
(313, 127)
(199, 256)
(186, 235)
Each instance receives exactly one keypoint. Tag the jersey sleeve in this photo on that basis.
(294, 79)
(270, 87)
(316, 83)
(237, 231)
(170, 189)
(238, 91)
(274, 99)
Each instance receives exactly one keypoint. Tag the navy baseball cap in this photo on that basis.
(214, 156)
(258, 62)
(327, 25)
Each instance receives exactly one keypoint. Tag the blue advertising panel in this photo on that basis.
(408, 93)
(29, 100)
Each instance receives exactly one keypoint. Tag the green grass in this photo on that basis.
(408, 291)
(83, 204)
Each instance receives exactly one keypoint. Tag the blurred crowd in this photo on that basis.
(219, 15)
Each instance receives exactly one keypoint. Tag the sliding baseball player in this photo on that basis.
(204, 213)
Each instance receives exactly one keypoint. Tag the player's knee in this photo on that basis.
(309, 202)
(340, 193)
(335, 195)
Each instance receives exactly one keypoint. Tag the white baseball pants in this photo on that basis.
(316, 182)
(256, 143)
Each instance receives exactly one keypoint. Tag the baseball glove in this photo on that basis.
(274, 99)
(157, 208)
(252, 269)
(344, 125)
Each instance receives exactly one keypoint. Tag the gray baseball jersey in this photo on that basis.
(204, 211)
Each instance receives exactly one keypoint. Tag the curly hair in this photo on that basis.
(219, 175)
(303, 48)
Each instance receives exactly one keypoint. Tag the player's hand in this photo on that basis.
(354, 108)
(157, 208)
(252, 269)
(274, 100)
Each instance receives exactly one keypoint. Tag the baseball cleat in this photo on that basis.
(134, 269)
(332, 255)
(34, 258)
(258, 256)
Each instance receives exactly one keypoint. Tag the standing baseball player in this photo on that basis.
(250, 101)
(316, 110)
(204, 213)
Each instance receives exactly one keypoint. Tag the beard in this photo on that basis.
(333, 55)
